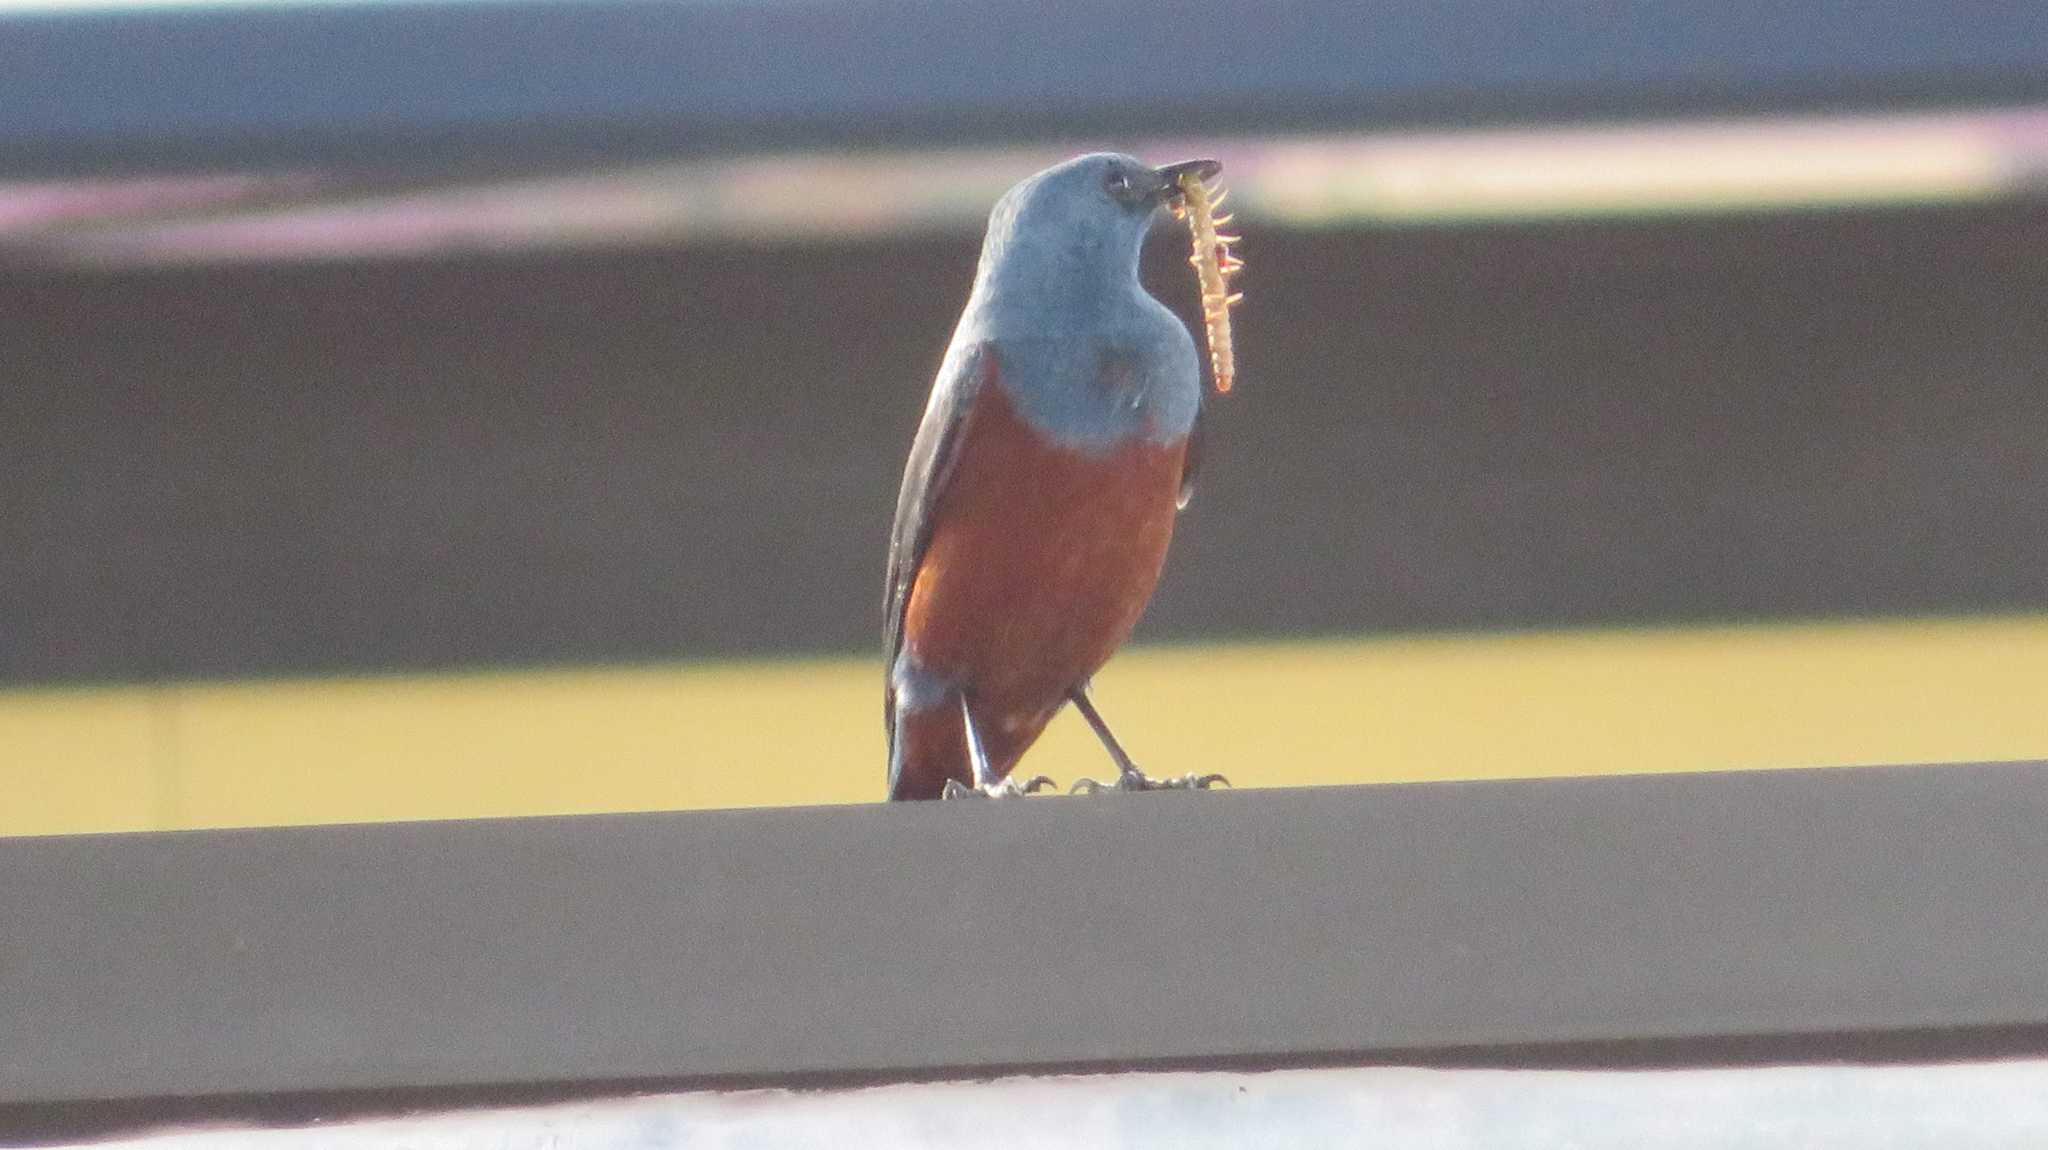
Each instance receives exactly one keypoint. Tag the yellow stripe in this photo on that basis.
(1268, 714)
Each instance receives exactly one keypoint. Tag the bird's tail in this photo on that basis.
(927, 748)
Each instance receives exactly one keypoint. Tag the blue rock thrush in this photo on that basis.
(1041, 490)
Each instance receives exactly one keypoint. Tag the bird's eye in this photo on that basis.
(1118, 182)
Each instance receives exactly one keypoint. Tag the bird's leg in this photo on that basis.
(985, 781)
(1129, 777)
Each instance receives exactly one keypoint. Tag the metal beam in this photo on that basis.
(1692, 913)
(491, 83)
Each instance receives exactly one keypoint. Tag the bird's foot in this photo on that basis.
(1136, 780)
(1004, 788)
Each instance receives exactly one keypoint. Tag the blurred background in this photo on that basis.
(426, 409)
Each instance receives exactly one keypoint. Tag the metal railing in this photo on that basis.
(487, 84)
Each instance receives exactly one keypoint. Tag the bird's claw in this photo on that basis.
(1006, 788)
(1139, 781)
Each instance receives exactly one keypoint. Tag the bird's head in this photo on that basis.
(1078, 226)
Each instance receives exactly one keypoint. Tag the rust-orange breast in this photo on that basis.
(1040, 561)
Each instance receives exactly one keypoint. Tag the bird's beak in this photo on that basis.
(1171, 175)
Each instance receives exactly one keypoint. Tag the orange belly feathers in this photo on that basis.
(1040, 562)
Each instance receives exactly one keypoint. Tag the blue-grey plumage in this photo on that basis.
(1089, 366)
(1057, 291)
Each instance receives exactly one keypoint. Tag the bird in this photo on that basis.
(1059, 443)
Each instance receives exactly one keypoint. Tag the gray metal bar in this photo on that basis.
(487, 81)
(766, 945)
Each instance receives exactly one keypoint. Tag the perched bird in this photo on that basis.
(1041, 491)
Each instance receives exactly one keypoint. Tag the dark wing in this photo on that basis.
(933, 456)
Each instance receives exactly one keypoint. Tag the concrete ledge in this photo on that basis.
(1678, 913)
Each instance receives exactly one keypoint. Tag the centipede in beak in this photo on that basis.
(1214, 264)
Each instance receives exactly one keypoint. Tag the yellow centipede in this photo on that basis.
(1214, 264)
